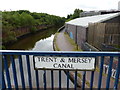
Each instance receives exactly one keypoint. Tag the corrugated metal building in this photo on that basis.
(81, 32)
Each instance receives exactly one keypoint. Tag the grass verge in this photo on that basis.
(55, 46)
(76, 47)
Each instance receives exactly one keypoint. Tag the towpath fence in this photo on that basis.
(12, 57)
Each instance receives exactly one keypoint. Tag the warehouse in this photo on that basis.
(84, 30)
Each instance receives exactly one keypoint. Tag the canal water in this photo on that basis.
(40, 41)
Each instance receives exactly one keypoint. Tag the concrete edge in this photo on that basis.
(55, 47)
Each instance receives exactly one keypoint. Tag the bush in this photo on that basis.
(33, 29)
(2, 47)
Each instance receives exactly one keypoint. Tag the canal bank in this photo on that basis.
(27, 34)
(28, 41)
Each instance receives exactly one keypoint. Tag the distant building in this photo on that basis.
(101, 12)
(119, 5)
(89, 13)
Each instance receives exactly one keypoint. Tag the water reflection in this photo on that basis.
(44, 44)
(30, 42)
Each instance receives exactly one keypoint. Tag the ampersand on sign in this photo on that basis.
(62, 60)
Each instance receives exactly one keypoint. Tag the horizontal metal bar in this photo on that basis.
(65, 53)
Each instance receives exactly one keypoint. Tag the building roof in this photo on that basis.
(84, 21)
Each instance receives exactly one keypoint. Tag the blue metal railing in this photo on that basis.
(9, 58)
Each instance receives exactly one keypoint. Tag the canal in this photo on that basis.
(40, 41)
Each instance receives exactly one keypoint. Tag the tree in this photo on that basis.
(23, 11)
(76, 14)
(12, 21)
(26, 20)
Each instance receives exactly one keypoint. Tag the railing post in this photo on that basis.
(29, 71)
(109, 73)
(75, 81)
(117, 75)
(21, 71)
(92, 79)
(37, 79)
(44, 78)
(83, 84)
(52, 80)
(0, 72)
(68, 77)
(3, 81)
(7, 71)
(59, 79)
(14, 71)
(101, 72)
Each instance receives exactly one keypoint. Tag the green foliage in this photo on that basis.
(14, 20)
(2, 47)
(10, 36)
(26, 20)
(33, 29)
(22, 11)
(76, 14)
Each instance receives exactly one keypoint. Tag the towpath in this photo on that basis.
(62, 43)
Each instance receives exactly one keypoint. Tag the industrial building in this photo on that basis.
(100, 32)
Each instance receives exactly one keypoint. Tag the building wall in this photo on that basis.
(104, 35)
(79, 33)
(119, 5)
(96, 32)
(71, 28)
(89, 13)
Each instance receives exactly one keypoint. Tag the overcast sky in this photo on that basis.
(58, 7)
